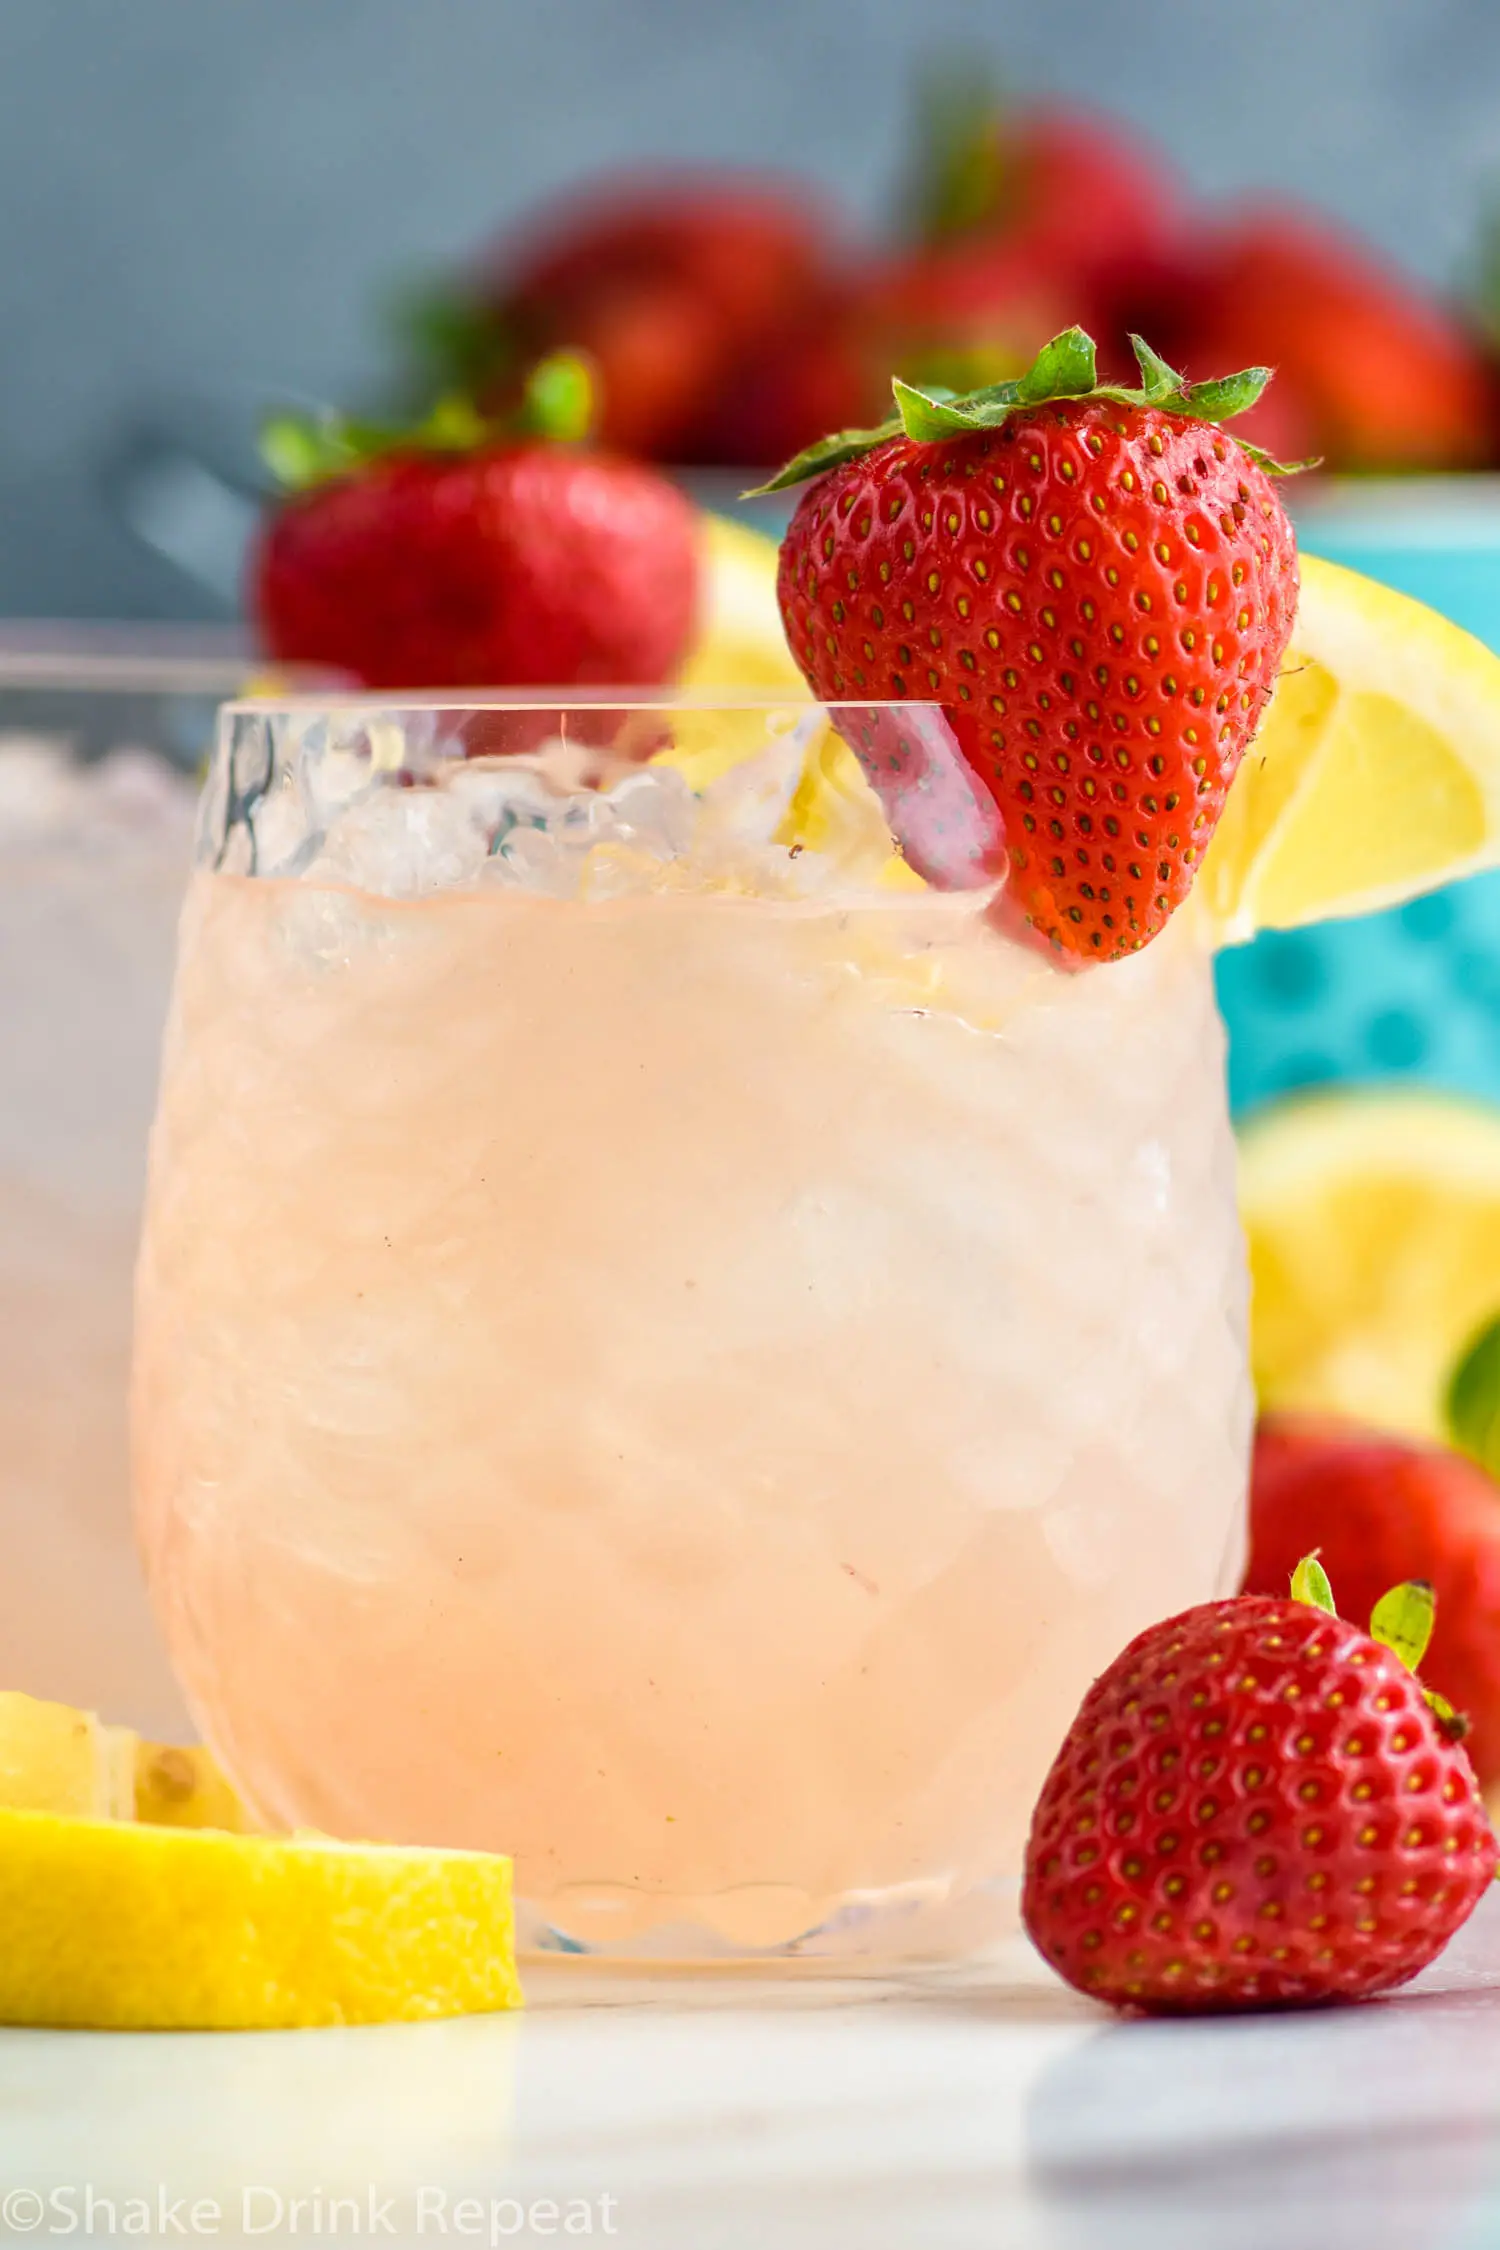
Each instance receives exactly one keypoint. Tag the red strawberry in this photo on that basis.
(455, 557)
(1024, 218)
(1379, 1508)
(1383, 375)
(1066, 185)
(816, 373)
(1097, 587)
(1256, 1805)
(667, 283)
(975, 309)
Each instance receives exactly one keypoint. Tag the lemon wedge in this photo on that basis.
(1376, 772)
(837, 814)
(119, 1926)
(1373, 1221)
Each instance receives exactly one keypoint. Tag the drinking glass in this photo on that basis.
(665, 1346)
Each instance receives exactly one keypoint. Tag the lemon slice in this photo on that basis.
(1373, 1223)
(837, 814)
(741, 642)
(123, 1927)
(55, 1759)
(1376, 773)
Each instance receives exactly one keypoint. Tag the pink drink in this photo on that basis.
(679, 1365)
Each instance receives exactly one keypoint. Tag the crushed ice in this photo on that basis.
(558, 822)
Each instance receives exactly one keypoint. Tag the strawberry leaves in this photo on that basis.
(1065, 368)
(833, 451)
(962, 177)
(556, 405)
(1473, 1401)
(1310, 1585)
(1402, 1621)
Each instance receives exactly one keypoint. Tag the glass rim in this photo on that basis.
(385, 701)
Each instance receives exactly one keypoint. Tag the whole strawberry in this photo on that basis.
(1257, 1805)
(1382, 374)
(1066, 186)
(1022, 216)
(1095, 584)
(671, 283)
(1379, 1508)
(465, 556)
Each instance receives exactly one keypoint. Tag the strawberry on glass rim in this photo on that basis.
(1096, 583)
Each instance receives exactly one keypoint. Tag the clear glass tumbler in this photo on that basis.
(664, 1346)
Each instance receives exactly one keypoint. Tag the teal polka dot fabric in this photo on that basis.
(1413, 994)
(1410, 995)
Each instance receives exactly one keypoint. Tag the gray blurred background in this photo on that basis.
(204, 203)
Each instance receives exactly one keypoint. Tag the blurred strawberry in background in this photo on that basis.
(477, 552)
(1373, 371)
(1370, 1502)
(678, 288)
(731, 319)
(1024, 221)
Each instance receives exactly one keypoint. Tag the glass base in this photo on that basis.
(771, 1926)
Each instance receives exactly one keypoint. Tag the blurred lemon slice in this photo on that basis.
(124, 1927)
(1376, 773)
(743, 646)
(741, 642)
(741, 650)
(1373, 1223)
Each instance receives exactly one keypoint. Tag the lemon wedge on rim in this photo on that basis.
(1375, 773)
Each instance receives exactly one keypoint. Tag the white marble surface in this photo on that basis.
(995, 2111)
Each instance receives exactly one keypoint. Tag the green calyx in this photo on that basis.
(1310, 1585)
(454, 340)
(1401, 1621)
(1472, 1405)
(556, 405)
(1067, 368)
(962, 174)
